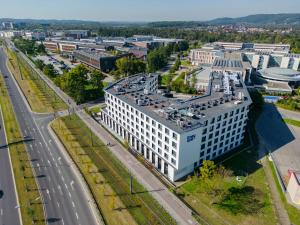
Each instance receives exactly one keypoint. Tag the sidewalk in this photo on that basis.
(177, 209)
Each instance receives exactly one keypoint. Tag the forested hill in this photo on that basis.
(292, 19)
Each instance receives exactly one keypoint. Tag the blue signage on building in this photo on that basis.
(191, 138)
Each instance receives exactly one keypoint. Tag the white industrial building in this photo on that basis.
(176, 135)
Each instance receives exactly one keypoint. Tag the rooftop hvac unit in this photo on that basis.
(241, 95)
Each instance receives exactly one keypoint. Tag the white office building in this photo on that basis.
(176, 135)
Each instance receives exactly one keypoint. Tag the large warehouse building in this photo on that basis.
(173, 134)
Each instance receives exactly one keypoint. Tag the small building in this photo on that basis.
(293, 188)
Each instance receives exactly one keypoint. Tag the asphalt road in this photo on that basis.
(8, 198)
(280, 139)
(64, 198)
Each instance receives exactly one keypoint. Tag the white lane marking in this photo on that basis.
(77, 216)
(49, 178)
(42, 160)
(58, 204)
(71, 183)
(48, 192)
(38, 165)
(73, 204)
(59, 188)
(63, 222)
(59, 171)
(41, 143)
(39, 151)
(70, 194)
(49, 162)
(1, 212)
(66, 186)
(62, 178)
(56, 164)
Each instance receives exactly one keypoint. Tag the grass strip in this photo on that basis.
(88, 151)
(31, 209)
(292, 122)
(40, 96)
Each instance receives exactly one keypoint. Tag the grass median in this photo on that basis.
(107, 178)
(292, 122)
(28, 193)
(40, 96)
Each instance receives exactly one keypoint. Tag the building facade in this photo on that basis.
(176, 135)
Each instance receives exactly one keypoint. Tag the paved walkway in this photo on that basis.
(178, 210)
(279, 207)
(289, 114)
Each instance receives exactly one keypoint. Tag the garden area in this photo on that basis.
(234, 192)
(107, 178)
(290, 103)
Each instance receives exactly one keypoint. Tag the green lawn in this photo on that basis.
(39, 95)
(100, 167)
(293, 212)
(224, 199)
(25, 181)
(292, 122)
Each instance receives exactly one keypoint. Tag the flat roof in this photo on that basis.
(281, 74)
(225, 91)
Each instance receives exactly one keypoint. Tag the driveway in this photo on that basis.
(280, 139)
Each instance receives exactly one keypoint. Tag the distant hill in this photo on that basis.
(292, 19)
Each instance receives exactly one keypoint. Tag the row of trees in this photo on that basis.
(80, 83)
(158, 58)
(29, 46)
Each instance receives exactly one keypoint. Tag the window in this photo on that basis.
(202, 146)
(204, 131)
(167, 139)
(174, 136)
(174, 145)
(173, 153)
(166, 131)
(166, 148)
(159, 127)
(204, 139)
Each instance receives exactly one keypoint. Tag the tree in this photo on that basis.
(96, 80)
(39, 64)
(156, 59)
(208, 169)
(41, 49)
(50, 71)
(75, 82)
(129, 66)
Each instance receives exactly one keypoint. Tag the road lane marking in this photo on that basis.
(48, 192)
(77, 216)
(73, 204)
(1, 212)
(59, 188)
(62, 178)
(58, 204)
(70, 194)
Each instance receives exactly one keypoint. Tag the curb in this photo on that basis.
(75, 170)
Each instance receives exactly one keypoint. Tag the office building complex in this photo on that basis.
(175, 135)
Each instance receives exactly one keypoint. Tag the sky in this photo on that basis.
(142, 10)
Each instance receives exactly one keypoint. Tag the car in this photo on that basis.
(5, 76)
(1, 194)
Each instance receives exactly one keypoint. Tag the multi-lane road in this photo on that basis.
(66, 201)
(9, 212)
